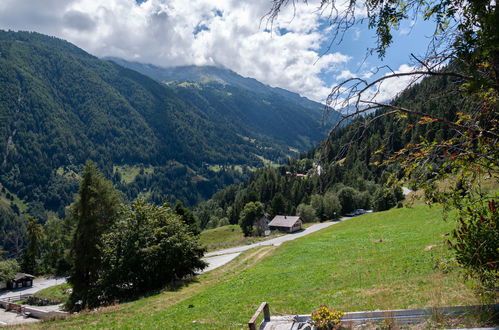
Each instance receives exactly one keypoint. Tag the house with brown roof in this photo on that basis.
(286, 223)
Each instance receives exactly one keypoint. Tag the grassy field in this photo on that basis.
(54, 293)
(129, 173)
(383, 260)
(228, 236)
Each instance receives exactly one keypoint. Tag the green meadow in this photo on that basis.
(386, 260)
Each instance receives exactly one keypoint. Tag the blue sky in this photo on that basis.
(410, 38)
(228, 33)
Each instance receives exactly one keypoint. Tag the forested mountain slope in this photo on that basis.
(256, 110)
(60, 106)
(347, 168)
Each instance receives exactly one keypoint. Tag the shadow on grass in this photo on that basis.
(172, 287)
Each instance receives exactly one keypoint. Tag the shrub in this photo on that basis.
(325, 318)
(306, 212)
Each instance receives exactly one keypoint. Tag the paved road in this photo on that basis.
(219, 258)
(38, 284)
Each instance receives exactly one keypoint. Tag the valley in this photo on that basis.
(177, 165)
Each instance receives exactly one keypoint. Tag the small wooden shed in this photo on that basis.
(286, 223)
(21, 280)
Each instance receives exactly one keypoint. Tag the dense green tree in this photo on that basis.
(332, 206)
(56, 246)
(94, 213)
(147, 248)
(8, 269)
(187, 217)
(306, 212)
(386, 198)
(12, 232)
(317, 202)
(279, 204)
(349, 199)
(32, 253)
(252, 212)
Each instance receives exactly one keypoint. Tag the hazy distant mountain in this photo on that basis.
(258, 110)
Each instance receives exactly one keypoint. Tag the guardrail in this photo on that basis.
(16, 297)
(399, 317)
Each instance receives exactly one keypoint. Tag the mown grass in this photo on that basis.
(55, 293)
(228, 236)
(376, 261)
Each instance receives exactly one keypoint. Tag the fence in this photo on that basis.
(399, 317)
(16, 297)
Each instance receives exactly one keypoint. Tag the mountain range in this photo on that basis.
(259, 111)
(166, 134)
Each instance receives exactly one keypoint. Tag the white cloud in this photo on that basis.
(391, 87)
(200, 32)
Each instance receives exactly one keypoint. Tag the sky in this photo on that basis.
(292, 53)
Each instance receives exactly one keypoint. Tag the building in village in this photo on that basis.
(286, 223)
(21, 280)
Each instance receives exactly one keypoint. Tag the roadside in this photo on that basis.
(219, 258)
(38, 284)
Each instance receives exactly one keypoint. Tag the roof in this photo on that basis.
(284, 221)
(23, 276)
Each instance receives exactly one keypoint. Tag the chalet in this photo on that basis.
(21, 280)
(286, 223)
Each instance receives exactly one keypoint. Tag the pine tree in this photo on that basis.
(33, 250)
(94, 212)
(187, 217)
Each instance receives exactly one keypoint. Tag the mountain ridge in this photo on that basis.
(285, 117)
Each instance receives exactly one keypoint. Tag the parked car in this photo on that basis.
(356, 212)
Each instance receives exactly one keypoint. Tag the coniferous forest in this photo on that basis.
(61, 106)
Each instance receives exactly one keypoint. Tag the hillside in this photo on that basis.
(60, 106)
(256, 110)
(348, 162)
(376, 261)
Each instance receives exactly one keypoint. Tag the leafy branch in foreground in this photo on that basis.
(452, 171)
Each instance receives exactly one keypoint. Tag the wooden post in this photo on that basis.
(266, 315)
(266, 312)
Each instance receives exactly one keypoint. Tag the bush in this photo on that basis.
(8, 269)
(325, 318)
(306, 212)
(476, 243)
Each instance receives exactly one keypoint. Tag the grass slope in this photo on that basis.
(54, 293)
(377, 261)
(228, 236)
